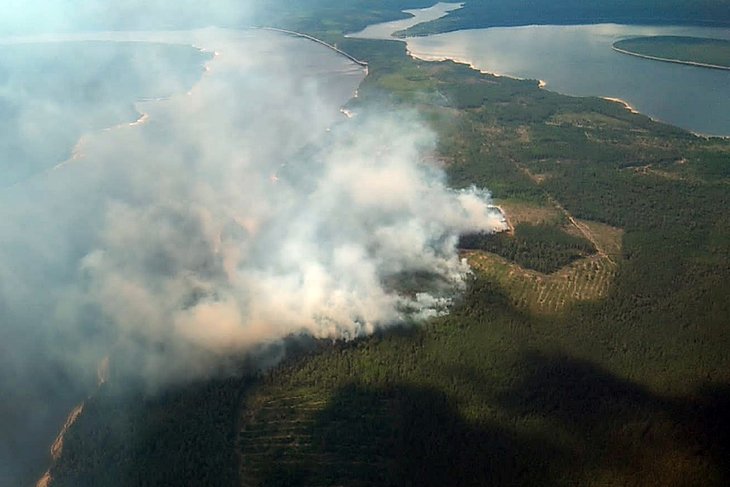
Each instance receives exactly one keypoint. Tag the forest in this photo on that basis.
(626, 386)
(502, 13)
(543, 247)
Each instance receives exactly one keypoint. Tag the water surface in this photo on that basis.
(578, 60)
(417, 16)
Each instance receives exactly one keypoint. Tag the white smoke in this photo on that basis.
(239, 214)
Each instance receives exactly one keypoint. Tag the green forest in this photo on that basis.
(625, 381)
(715, 52)
(542, 247)
(499, 13)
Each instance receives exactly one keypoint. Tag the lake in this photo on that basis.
(578, 60)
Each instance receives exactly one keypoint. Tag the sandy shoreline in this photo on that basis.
(543, 84)
(623, 102)
(441, 49)
(57, 447)
(540, 82)
(634, 110)
(669, 60)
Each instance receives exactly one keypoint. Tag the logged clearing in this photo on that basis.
(587, 279)
(281, 441)
(606, 238)
(589, 120)
(524, 212)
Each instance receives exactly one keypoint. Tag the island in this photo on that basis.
(694, 51)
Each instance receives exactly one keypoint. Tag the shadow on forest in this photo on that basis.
(565, 422)
(619, 427)
(180, 437)
(680, 435)
(409, 436)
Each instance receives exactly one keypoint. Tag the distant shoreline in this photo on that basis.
(319, 41)
(668, 60)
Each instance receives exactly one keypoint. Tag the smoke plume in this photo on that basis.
(238, 214)
(225, 219)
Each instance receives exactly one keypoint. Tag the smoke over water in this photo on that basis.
(222, 221)
(235, 215)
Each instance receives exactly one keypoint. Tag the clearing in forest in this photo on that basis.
(586, 279)
(285, 437)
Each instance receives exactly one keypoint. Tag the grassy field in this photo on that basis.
(611, 370)
(715, 52)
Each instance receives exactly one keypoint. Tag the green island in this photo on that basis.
(591, 347)
(709, 53)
